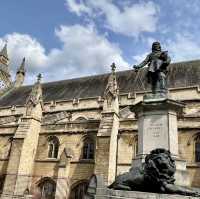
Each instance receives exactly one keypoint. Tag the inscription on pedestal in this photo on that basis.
(155, 129)
(155, 133)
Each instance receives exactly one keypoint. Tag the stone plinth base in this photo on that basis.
(157, 125)
(4, 196)
(157, 128)
(117, 194)
(182, 176)
(98, 190)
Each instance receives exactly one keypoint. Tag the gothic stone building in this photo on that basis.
(54, 136)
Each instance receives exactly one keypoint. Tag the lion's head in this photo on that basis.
(160, 166)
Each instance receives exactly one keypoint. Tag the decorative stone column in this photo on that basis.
(106, 144)
(25, 141)
(63, 184)
(157, 128)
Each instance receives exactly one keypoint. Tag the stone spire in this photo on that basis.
(5, 77)
(20, 75)
(21, 69)
(35, 97)
(111, 91)
(4, 52)
(108, 131)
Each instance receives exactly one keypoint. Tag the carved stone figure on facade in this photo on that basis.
(111, 90)
(35, 96)
(158, 62)
(155, 175)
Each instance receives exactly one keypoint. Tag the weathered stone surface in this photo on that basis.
(158, 124)
(117, 194)
(157, 128)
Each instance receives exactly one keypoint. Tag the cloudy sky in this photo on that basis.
(71, 38)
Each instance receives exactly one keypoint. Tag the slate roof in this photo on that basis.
(180, 74)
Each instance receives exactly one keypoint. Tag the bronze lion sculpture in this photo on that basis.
(156, 175)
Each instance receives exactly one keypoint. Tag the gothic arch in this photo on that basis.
(84, 137)
(88, 149)
(195, 140)
(86, 143)
(47, 188)
(79, 189)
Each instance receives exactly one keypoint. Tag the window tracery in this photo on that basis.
(53, 147)
(47, 188)
(88, 149)
(79, 190)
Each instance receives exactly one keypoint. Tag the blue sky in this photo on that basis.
(72, 38)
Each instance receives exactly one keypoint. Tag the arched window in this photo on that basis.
(197, 149)
(79, 191)
(88, 149)
(47, 188)
(53, 147)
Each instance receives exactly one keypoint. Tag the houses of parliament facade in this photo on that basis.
(55, 136)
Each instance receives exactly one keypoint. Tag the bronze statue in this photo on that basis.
(157, 61)
(155, 175)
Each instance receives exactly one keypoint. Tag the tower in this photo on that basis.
(25, 141)
(20, 75)
(5, 79)
(106, 145)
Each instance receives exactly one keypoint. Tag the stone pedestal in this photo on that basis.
(98, 190)
(157, 128)
(117, 194)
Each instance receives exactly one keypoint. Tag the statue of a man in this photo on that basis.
(157, 61)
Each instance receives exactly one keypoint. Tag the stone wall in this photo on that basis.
(71, 135)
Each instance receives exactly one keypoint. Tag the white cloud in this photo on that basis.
(184, 47)
(130, 20)
(78, 7)
(139, 58)
(83, 52)
(22, 45)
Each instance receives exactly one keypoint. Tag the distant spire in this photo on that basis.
(39, 77)
(113, 67)
(22, 67)
(112, 88)
(4, 51)
(35, 96)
